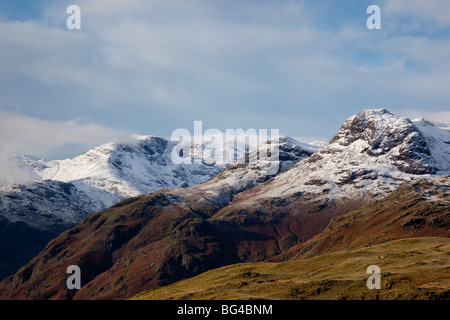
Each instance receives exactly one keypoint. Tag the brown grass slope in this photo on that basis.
(415, 268)
(157, 239)
(139, 243)
(416, 209)
(151, 241)
(329, 262)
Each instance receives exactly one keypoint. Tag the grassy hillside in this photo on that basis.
(414, 268)
(413, 210)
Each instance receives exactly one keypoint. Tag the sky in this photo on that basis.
(153, 66)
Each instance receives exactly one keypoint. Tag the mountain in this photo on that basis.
(103, 175)
(124, 169)
(66, 191)
(165, 224)
(95, 180)
(371, 147)
(405, 233)
(372, 154)
(420, 208)
(237, 216)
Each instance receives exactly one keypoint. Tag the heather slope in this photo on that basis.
(411, 269)
(417, 209)
(403, 233)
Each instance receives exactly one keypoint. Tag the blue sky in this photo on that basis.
(151, 67)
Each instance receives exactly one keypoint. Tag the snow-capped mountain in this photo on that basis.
(66, 191)
(207, 197)
(249, 171)
(140, 165)
(242, 215)
(373, 153)
(63, 192)
(47, 204)
(103, 175)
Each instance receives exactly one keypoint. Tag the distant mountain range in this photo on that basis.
(64, 192)
(317, 202)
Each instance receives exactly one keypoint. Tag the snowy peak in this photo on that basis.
(437, 136)
(105, 174)
(250, 170)
(141, 164)
(66, 191)
(383, 133)
(373, 153)
(369, 125)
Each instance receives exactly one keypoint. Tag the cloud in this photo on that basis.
(21, 134)
(153, 66)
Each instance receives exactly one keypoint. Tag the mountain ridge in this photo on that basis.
(97, 179)
(162, 237)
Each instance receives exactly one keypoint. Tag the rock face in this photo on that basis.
(384, 134)
(371, 155)
(240, 215)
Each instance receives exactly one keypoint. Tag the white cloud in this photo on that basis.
(245, 64)
(21, 134)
